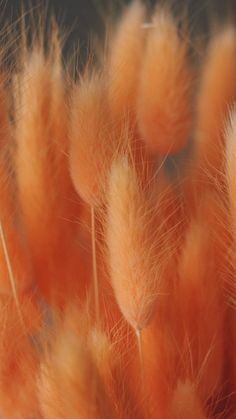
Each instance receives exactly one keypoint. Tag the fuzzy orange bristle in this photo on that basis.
(164, 98)
(19, 357)
(43, 173)
(72, 376)
(185, 403)
(90, 126)
(205, 341)
(124, 62)
(117, 235)
(217, 92)
(134, 273)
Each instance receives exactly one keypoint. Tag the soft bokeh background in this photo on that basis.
(82, 18)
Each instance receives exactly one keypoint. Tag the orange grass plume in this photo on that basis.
(164, 104)
(128, 314)
(134, 272)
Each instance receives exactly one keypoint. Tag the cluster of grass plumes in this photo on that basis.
(117, 226)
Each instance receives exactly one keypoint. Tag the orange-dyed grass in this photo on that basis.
(118, 226)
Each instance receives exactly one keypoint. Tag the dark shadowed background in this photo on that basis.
(82, 18)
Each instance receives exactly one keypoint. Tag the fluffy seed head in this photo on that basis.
(134, 270)
(124, 61)
(185, 402)
(217, 92)
(90, 144)
(164, 102)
